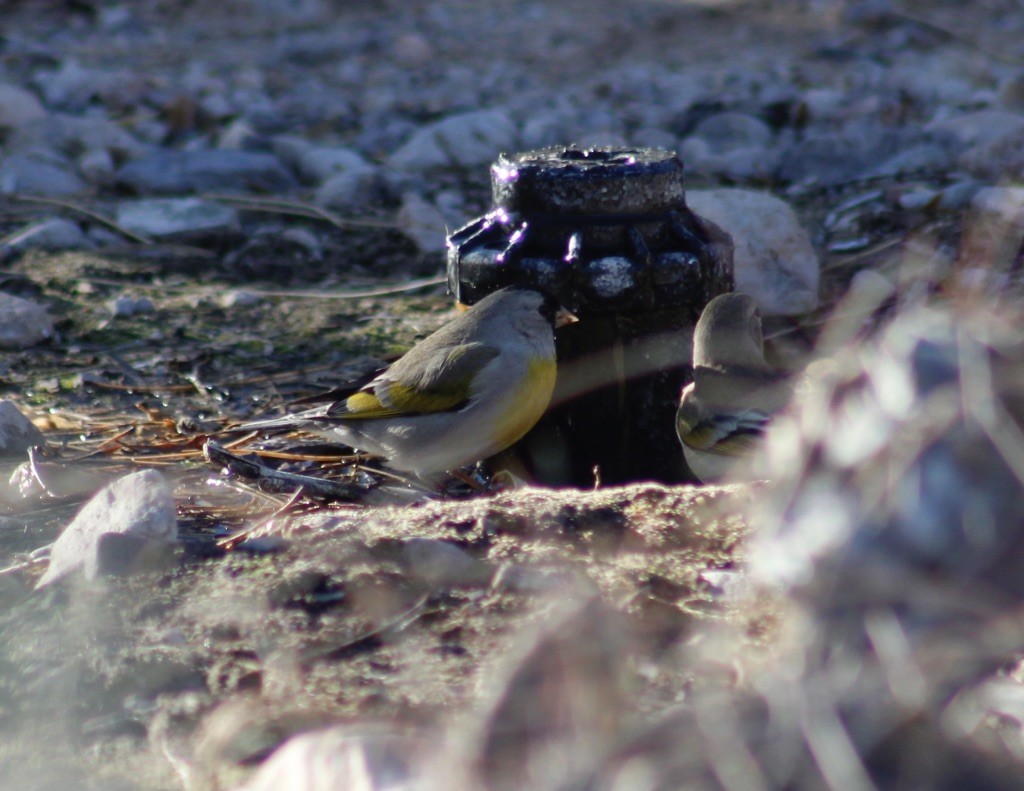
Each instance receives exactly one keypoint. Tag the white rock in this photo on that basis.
(22, 323)
(138, 506)
(774, 261)
(17, 434)
(166, 217)
(239, 298)
(319, 164)
(422, 222)
(347, 190)
(467, 140)
(18, 107)
(334, 759)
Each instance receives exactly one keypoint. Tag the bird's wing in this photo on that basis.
(416, 385)
(734, 434)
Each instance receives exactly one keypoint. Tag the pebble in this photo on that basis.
(139, 505)
(317, 165)
(348, 190)
(125, 306)
(829, 159)
(917, 159)
(176, 172)
(729, 131)
(998, 159)
(649, 137)
(55, 233)
(71, 87)
(17, 433)
(544, 129)
(97, 166)
(977, 128)
(163, 218)
(423, 223)
(467, 140)
(239, 298)
(337, 758)
(23, 323)
(18, 107)
(38, 174)
(773, 257)
(73, 135)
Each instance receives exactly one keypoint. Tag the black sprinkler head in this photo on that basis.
(606, 231)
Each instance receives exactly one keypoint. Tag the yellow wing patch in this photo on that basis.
(404, 400)
(736, 445)
(699, 436)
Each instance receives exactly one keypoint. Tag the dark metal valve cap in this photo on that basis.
(602, 229)
(607, 232)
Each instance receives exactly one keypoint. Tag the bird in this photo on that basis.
(462, 394)
(723, 413)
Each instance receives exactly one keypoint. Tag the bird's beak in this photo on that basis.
(564, 316)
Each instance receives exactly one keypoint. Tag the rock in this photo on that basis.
(308, 243)
(738, 164)
(294, 12)
(443, 564)
(53, 234)
(831, 158)
(18, 107)
(74, 135)
(977, 128)
(38, 174)
(22, 323)
(162, 218)
(71, 87)
(239, 298)
(17, 434)
(729, 131)
(97, 166)
(921, 158)
(959, 194)
(544, 129)
(649, 137)
(171, 172)
(317, 165)
(349, 190)
(139, 505)
(125, 306)
(467, 140)
(422, 222)
(773, 258)
(412, 50)
(824, 103)
(999, 159)
(338, 758)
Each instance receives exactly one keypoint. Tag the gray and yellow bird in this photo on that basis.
(462, 394)
(724, 411)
